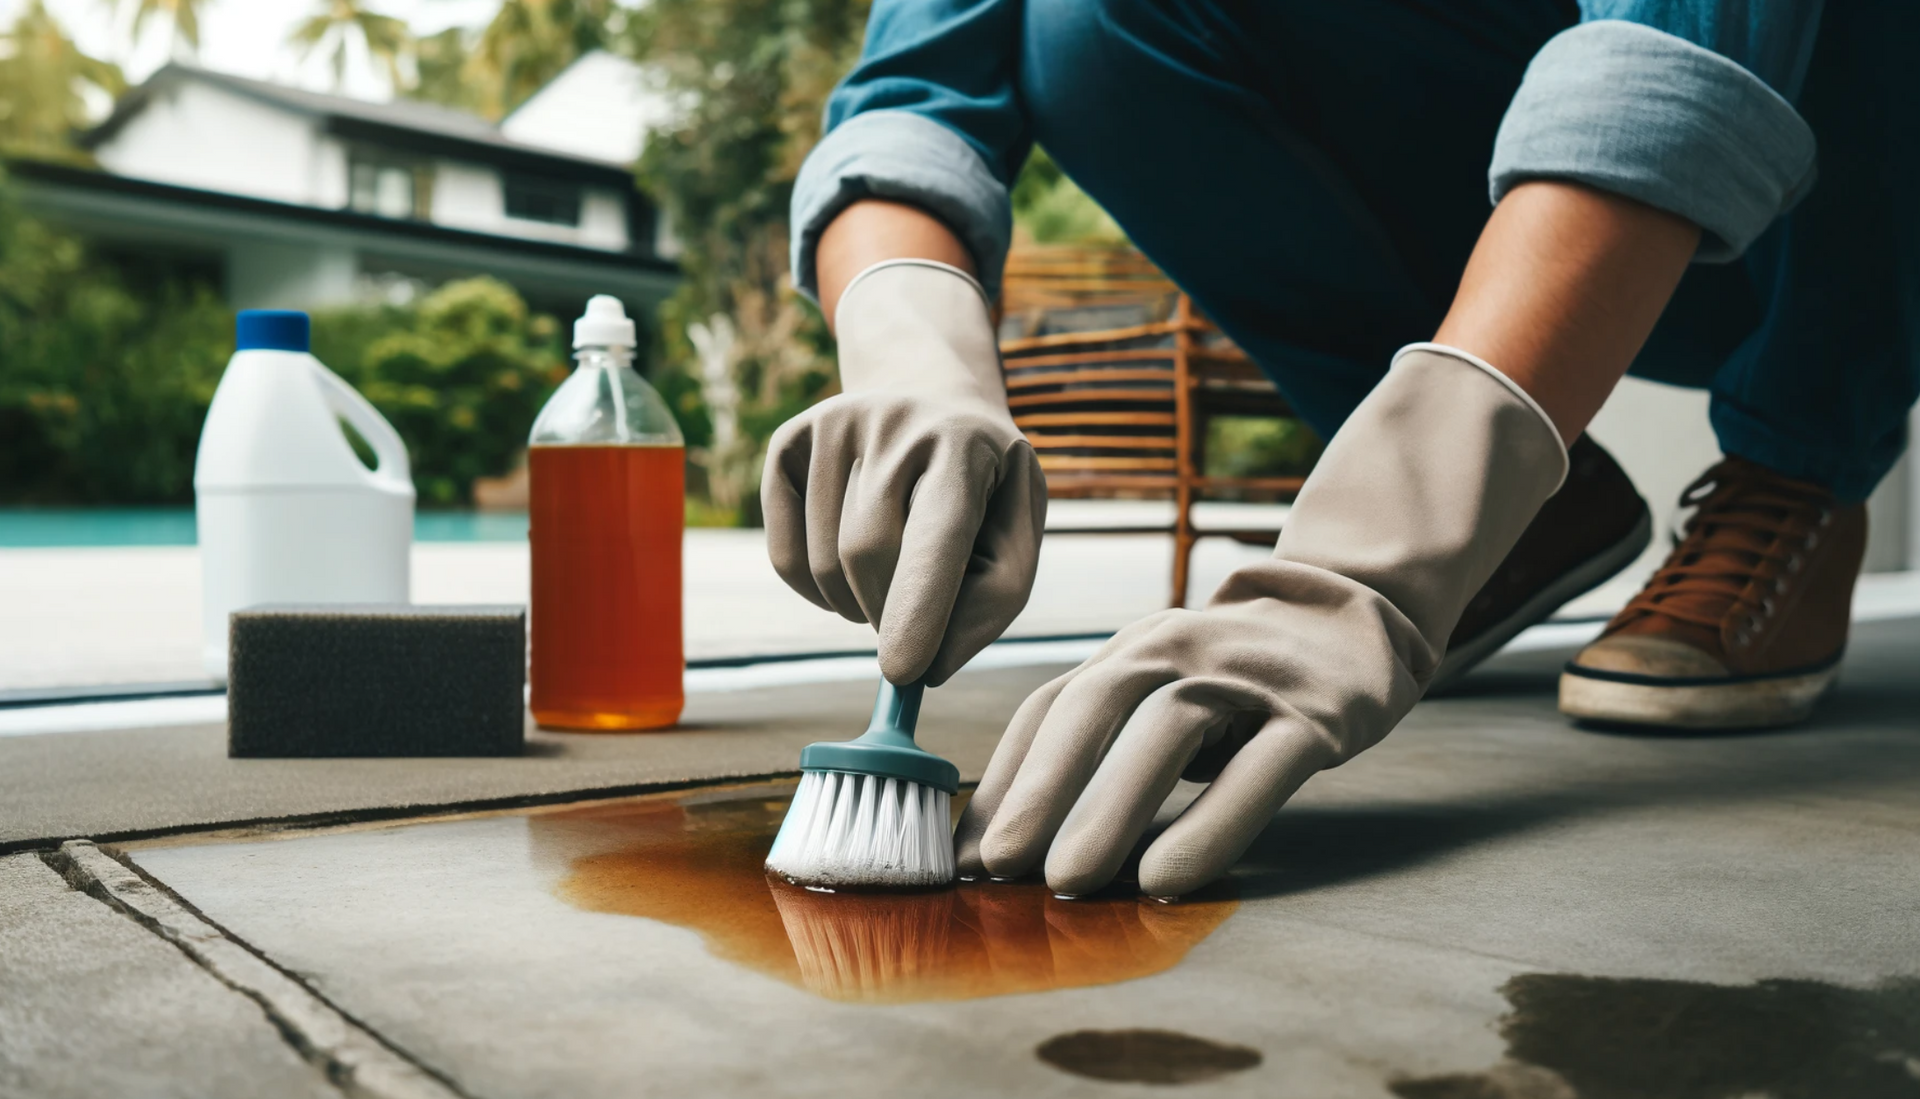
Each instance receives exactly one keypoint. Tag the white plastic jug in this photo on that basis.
(287, 512)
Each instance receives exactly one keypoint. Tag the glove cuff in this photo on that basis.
(1497, 375)
(907, 262)
(921, 328)
(1425, 488)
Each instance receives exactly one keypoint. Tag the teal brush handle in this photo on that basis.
(887, 749)
(897, 709)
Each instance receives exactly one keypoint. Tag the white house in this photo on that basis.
(310, 200)
(600, 108)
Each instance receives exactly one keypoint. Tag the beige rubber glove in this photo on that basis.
(910, 500)
(1297, 663)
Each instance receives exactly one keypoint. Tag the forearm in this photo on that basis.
(873, 230)
(1652, 134)
(1562, 290)
(929, 119)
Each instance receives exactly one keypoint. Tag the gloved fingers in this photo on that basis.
(834, 472)
(1000, 773)
(1000, 571)
(783, 484)
(1132, 782)
(1072, 739)
(942, 521)
(1212, 758)
(1206, 840)
(873, 519)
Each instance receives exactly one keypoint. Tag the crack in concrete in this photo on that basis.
(348, 1053)
(377, 813)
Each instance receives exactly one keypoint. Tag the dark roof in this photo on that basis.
(86, 178)
(424, 127)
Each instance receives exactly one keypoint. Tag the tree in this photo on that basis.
(525, 45)
(752, 77)
(337, 23)
(182, 15)
(528, 42)
(443, 72)
(43, 79)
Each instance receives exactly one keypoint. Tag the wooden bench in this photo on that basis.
(1123, 412)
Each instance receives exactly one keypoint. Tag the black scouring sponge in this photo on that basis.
(376, 680)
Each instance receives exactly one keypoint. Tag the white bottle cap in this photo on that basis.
(604, 324)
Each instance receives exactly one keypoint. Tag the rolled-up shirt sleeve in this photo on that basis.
(1686, 124)
(930, 116)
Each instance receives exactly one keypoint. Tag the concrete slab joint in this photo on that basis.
(351, 1057)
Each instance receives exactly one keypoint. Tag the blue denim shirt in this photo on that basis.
(1682, 104)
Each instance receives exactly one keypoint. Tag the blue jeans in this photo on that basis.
(1315, 174)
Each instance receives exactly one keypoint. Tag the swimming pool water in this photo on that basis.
(174, 526)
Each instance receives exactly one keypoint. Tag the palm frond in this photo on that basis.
(309, 34)
(184, 15)
(337, 22)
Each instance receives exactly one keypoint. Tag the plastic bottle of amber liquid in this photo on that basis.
(608, 509)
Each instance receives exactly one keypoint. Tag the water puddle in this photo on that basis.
(1145, 1056)
(1572, 1036)
(698, 865)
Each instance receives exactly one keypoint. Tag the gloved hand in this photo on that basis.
(910, 500)
(1297, 663)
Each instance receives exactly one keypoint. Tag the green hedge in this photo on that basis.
(103, 383)
(106, 373)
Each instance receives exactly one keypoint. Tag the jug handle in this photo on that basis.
(349, 405)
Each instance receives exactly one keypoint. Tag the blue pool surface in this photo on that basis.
(174, 526)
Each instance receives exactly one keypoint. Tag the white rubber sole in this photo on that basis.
(1738, 704)
(1590, 574)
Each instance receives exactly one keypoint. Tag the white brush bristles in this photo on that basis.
(848, 830)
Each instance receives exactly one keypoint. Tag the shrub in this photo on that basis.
(461, 375)
(106, 372)
(1245, 446)
(105, 377)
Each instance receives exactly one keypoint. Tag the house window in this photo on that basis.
(534, 198)
(386, 188)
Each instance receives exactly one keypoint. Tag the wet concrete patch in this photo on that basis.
(1574, 1037)
(697, 864)
(1483, 841)
(1144, 1056)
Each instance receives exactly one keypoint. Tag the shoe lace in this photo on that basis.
(1749, 533)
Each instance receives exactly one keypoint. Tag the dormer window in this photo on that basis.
(387, 187)
(540, 198)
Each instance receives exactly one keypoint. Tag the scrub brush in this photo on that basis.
(872, 811)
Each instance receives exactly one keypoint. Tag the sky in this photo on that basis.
(246, 37)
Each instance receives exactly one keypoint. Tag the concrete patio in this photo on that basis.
(1490, 904)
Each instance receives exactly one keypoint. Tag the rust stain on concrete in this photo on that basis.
(699, 866)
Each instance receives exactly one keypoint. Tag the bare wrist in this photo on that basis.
(873, 231)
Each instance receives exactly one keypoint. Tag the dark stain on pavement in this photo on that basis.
(1573, 1037)
(1144, 1056)
(699, 865)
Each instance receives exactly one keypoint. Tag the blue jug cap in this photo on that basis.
(272, 330)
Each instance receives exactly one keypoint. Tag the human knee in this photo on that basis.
(1087, 68)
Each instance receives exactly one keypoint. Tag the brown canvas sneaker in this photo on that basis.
(1744, 625)
(1592, 528)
